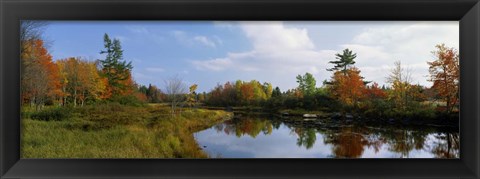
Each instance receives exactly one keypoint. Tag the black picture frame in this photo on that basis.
(465, 11)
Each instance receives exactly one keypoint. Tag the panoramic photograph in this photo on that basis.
(240, 89)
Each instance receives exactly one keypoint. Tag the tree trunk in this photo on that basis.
(75, 98)
(173, 106)
(64, 99)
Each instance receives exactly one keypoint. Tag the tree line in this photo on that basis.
(348, 91)
(76, 81)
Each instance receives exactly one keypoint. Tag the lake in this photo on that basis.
(256, 136)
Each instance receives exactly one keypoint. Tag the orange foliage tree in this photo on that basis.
(374, 92)
(247, 92)
(40, 76)
(348, 86)
(445, 74)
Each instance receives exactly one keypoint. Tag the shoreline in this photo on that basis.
(337, 117)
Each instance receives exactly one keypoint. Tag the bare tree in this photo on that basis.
(30, 70)
(401, 79)
(399, 73)
(35, 85)
(30, 30)
(176, 90)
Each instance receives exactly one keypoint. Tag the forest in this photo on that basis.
(80, 96)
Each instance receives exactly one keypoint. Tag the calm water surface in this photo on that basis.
(263, 137)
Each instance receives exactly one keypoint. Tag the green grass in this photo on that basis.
(117, 131)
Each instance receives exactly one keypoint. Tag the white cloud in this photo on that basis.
(186, 39)
(204, 40)
(280, 53)
(378, 47)
(274, 36)
(218, 64)
(154, 69)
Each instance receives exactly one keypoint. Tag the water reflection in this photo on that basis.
(447, 146)
(261, 137)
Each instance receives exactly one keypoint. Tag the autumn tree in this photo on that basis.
(348, 88)
(115, 68)
(32, 51)
(229, 94)
(154, 94)
(80, 81)
(400, 80)
(238, 90)
(192, 95)
(258, 92)
(247, 92)
(343, 61)
(445, 74)
(268, 89)
(30, 31)
(139, 93)
(375, 92)
(40, 78)
(215, 96)
(418, 93)
(202, 97)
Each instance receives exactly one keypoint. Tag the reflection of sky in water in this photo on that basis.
(282, 143)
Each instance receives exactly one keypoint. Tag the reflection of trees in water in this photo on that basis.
(404, 141)
(401, 142)
(350, 141)
(246, 126)
(448, 145)
(306, 136)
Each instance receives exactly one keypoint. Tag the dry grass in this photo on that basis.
(116, 131)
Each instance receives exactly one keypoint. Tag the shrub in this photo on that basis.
(52, 114)
(128, 100)
(113, 113)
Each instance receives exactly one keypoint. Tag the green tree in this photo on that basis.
(267, 87)
(306, 84)
(114, 67)
(258, 92)
(344, 60)
(276, 92)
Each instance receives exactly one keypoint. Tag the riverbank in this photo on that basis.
(349, 118)
(115, 131)
(330, 116)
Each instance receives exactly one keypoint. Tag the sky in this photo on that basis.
(208, 53)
